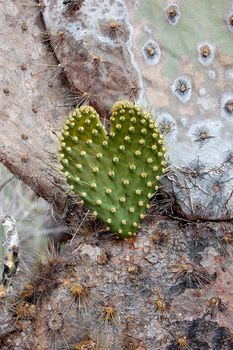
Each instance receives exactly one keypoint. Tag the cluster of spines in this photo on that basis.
(151, 51)
(114, 174)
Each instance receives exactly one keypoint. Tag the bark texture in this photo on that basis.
(171, 285)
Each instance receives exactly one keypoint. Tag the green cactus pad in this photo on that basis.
(116, 173)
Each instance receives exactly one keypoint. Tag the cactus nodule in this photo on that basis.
(114, 174)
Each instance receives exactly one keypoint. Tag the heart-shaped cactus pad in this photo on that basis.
(115, 173)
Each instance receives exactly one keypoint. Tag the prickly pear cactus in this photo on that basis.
(115, 174)
(175, 59)
(168, 288)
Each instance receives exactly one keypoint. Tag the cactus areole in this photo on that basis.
(117, 173)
